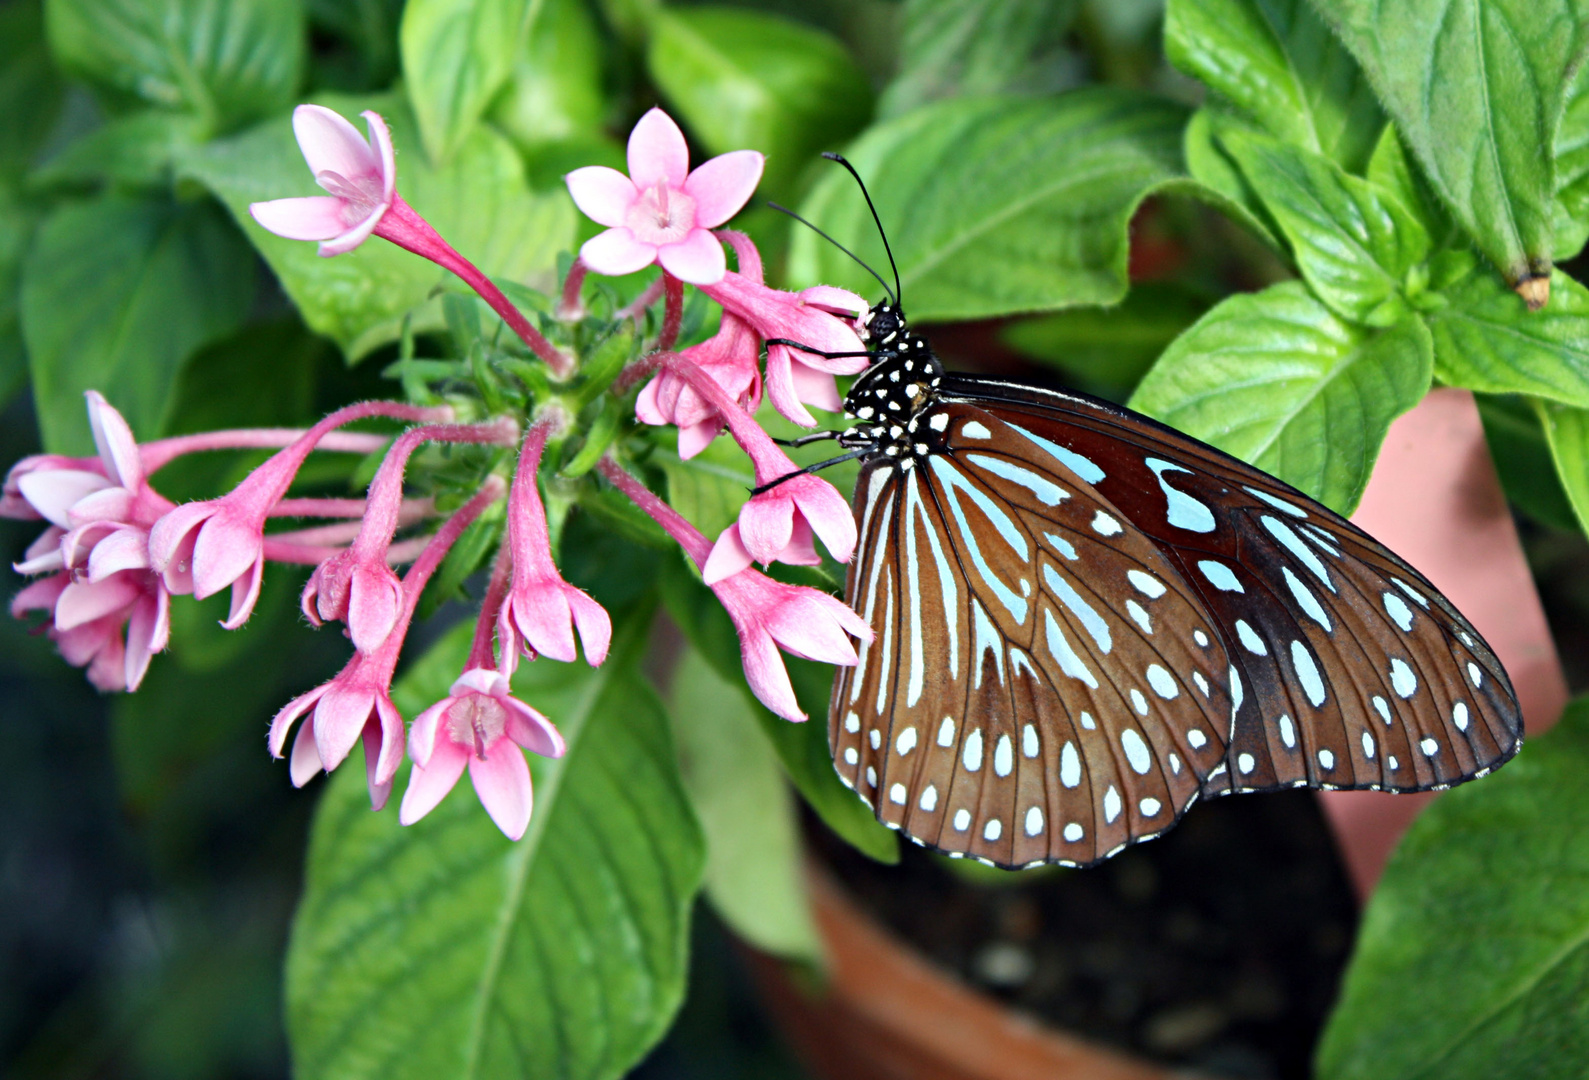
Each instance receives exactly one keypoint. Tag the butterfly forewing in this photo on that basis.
(1084, 620)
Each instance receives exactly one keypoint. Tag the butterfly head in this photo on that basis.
(883, 324)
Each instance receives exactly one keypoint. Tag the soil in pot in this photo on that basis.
(1218, 946)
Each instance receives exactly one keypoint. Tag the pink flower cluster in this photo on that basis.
(115, 551)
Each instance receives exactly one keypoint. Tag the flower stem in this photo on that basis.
(161, 452)
(570, 308)
(696, 546)
(673, 312)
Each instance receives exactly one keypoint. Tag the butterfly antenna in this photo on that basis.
(867, 196)
(785, 210)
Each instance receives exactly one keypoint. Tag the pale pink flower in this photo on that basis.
(359, 173)
(821, 317)
(730, 357)
(662, 212)
(542, 610)
(479, 724)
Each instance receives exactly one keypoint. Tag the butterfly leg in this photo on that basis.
(873, 353)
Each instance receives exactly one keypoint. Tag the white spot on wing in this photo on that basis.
(992, 830)
(1047, 492)
(1250, 639)
(946, 732)
(1146, 584)
(1182, 511)
(1307, 673)
(906, 741)
(971, 757)
(1475, 674)
(876, 737)
(1163, 682)
(1459, 716)
(1060, 649)
(1139, 616)
(1069, 766)
(1305, 598)
(1074, 832)
(1150, 807)
(1139, 702)
(1288, 731)
(929, 798)
(962, 820)
(1196, 739)
(1326, 759)
(1063, 546)
(1368, 746)
(852, 723)
(1382, 707)
(1278, 503)
(897, 794)
(1029, 745)
(975, 429)
(1219, 575)
(1111, 805)
(1398, 611)
(1402, 679)
(1004, 756)
(1105, 525)
(1085, 613)
(1034, 821)
(1137, 752)
(1081, 466)
(1246, 763)
(1429, 747)
(1293, 543)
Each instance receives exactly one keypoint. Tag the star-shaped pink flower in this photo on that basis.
(662, 212)
(360, 174)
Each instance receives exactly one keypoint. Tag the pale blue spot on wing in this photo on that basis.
(1085, 612)
(1399, 612)
(1081, 466)
(1063, 546)
(954, 481)
(1278, 503)
(1184, 511)
(1307, 673)
(1304, 596)
(1293, 543)
(1047, 492)
(1219, 575)
(1059, 648)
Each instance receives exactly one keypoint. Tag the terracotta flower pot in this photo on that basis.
(886, 1012)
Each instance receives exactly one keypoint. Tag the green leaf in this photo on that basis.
(226, 61)
(1219, 178)
(17, 222)
(709, 488)
(31, 91)
(1476, 88)
(1515, 434)
(445, 949)
(997, 205)
(737, 787)
(479, 202)
(956, 48)
(747, 80)
(1486, 339)
(1570, 224)
(1107, 350)
(1354, 242)
(803, 747)
(1278, 380)
(1473, 955)
(1567, 432)
(554, 92)
(457, 54)
(1394, 172)
(1277, 62)
(137, 150)
(116, 294)
(369, 27)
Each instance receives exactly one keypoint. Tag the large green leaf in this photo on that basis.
(1278, 63)
(747, 80)
(227, 61)
(1354, 242)
(1487, 340)
(554, 93)
(478, 201)
(963, 48)
(1571, 224)
(997, 205)
(445, 949)
(1278, 380)
(736, 785)
(116, 294)
(1567, 432)
(1472, 959)
(17, 222)
(1515, 434)
(30, 88)
(138, 150)
(456, 55)
(1476, 88)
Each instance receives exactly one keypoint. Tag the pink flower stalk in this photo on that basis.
(541, 609)
(361, 177)
(357, 585)
(357, 703)
(767, 614)
(97, 544)
(662, 212)
(731, 359)
(203, 547)
(479, 724)
(822, 317)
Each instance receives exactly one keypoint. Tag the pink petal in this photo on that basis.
(43, 555)
(814, 635)
(380, 787)
(381, 138)
(223, 552)
(697, 259)
(341, 245)
(722, 186)
(531, 730)
(305, 758)
(375, 600)
(801, 550)
(657, 152)
(502, 780)
(616, 252)
(282, 723)
(108, 670)
(768, 678)
(245, 594)
(836, 300)
(108, 504)
(422, 736)
(693, 438)
(82, 644)
(147, 633)
(313, 217)
(82, 602)
(52, 492)
(428, 785)
(604, 195)
(481, 680)
(123, 549)
(765, 524)
(392, 741)
(815, 387)
(781, 388)
(40, 595)
(595, 628)
(117, 447)
(728, 557)
(646, 409)
(173, 535)
(543, 617)
(339, 720)
(331, 144)
(829, 515)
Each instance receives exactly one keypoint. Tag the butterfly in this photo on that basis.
(1086, 620)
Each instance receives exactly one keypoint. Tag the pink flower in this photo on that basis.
(541, 609)
(481, 725)
(730, 357)
(822, 317)
(770, 615)
(662, 212)
(356, 704)
(360, 174)
(780, 525)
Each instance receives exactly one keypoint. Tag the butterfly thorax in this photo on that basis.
(893, 398)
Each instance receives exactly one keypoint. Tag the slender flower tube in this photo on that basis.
(203, 547)
(541, 610)
(662, 212)
(357, 703)
(361, 177)
(481, 725)
(767, 614)
(357, 585)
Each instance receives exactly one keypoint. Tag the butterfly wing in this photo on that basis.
(1085, 620)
